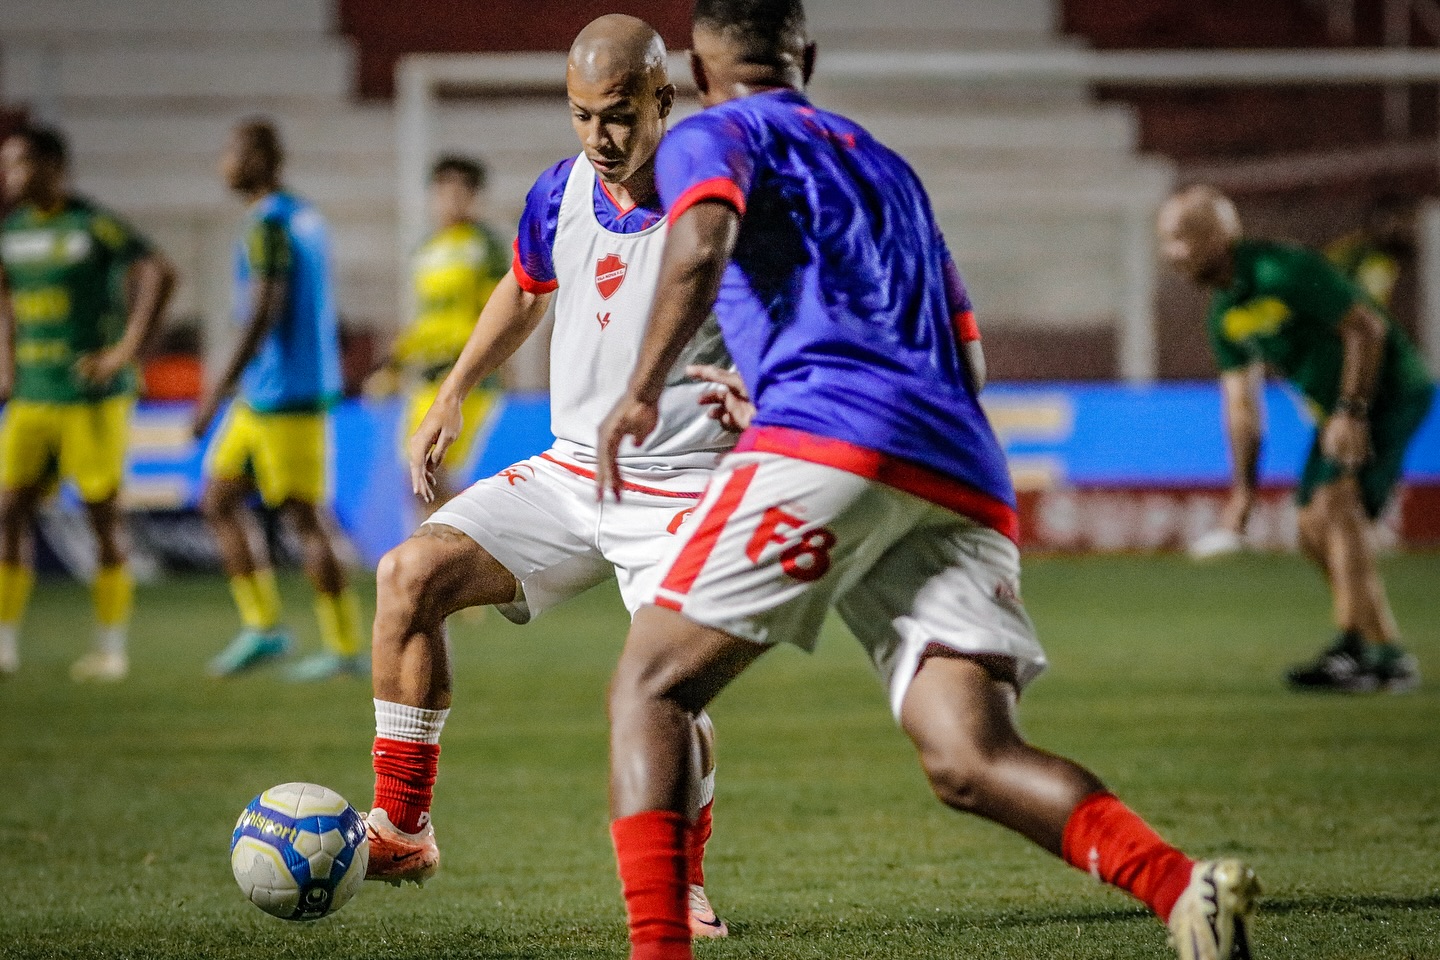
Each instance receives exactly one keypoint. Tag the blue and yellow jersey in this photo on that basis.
(297, 367)
(455, 272)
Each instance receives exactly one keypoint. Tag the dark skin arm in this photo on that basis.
(270, 294)
(152, 277)
(696, 253)
(1245, 426)
(1345, 437)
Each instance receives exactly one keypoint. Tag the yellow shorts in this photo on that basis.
(288, 454)
(80, 442)
(476, 410)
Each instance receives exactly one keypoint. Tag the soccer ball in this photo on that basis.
(299, 851)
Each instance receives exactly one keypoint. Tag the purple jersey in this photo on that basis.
(841, 305)
(534, 263)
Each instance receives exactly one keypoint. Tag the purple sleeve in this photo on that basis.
(534, 264)
(706, 157)
(957, 298)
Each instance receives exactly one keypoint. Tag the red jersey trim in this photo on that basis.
(892, 471)
(627, 485)
(605, 189)
(528, 283)
(966, 326)
(716, 188)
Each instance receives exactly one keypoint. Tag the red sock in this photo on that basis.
(1108, 839)
(405, 780)
(696, 836)
(650, 850)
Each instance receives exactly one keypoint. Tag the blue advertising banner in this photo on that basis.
(1058, 436)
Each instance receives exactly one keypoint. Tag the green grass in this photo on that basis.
(118, 801)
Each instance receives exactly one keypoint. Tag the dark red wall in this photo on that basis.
(384, 30)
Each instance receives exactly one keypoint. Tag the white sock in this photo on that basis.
(9, 646)
(110, 640)
(397, 721)
(707, 789)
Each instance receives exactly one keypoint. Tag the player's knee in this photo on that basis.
(406, 583)
(958, 778)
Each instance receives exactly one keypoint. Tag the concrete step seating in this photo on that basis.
(1033, 185)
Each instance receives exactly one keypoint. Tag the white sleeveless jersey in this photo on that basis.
(607, 284)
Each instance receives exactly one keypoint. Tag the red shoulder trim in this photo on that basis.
(966, 326)
(528, 283)
(716, 188)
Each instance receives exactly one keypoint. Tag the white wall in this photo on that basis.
(852, 21)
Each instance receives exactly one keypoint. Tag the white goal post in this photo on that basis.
(422, 79)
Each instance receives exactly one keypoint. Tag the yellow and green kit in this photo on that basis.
(1283, 307)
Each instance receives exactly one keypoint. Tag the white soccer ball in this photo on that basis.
(299, 851)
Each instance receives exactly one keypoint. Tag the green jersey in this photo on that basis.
(66, 274)
(1284, 306)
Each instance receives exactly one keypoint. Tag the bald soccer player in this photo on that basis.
(1288, 309)
(533, 535)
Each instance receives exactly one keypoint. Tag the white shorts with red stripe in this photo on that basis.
(539, 518)
(777, 541)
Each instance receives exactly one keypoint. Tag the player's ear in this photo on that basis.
(697, 69)
(666, 96)
(807, 62)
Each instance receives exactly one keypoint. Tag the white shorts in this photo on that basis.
(539, 518)
(777, 541)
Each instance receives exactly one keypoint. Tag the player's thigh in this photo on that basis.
(29, 443)
(292, 457)
(232, 449)
(93, 444)
(442, 570)
(773, 541)
(951, 585)
(539, 524)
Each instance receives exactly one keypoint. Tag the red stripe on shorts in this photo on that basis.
(625, 484)
(697, 549)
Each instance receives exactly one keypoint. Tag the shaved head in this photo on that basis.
(1198, 227)
(620, 94)
(617, 47)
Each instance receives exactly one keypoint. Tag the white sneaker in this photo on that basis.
(1215, 544)
(100, 667)
(1211, 919)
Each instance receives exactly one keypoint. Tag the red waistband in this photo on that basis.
(903, 475)
(626, 484)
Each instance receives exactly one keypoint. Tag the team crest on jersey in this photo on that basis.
(609, 274)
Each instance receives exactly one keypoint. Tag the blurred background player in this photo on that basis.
(533, 535)
(1287, 308)
(1373, 256)
(275, 437)
(870, 480)
(453, 273)
(80, 294)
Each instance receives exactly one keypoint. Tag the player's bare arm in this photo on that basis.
(1346, 437)
(7, 340)
(270, 297)
(696, 252)
(507, 320)
(1245, 427)
(152, 277)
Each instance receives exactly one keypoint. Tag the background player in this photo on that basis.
(869, 476)
(275, 437)
(1287, 308)
(454, 273)
(532, 536)
(68, 343)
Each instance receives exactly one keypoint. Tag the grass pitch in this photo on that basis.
(119, 801)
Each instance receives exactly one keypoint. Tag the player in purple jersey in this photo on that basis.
(869, 480)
